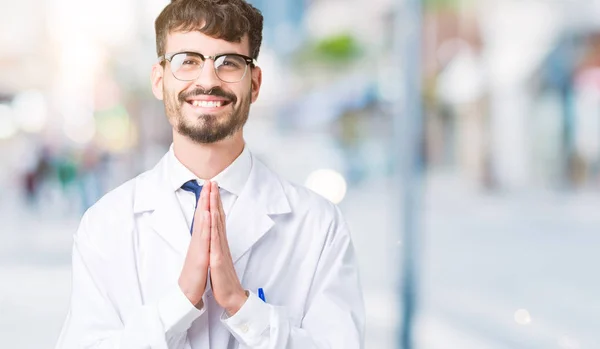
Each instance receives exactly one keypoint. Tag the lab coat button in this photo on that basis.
(244, 328)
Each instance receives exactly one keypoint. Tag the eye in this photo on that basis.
(233, 62)
(190, 62)
(230, 63)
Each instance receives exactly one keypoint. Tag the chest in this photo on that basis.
(281, 263)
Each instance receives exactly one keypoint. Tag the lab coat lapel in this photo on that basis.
(250, 217)
(166, 219)
(246, 224)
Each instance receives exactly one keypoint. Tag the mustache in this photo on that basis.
(215, 91)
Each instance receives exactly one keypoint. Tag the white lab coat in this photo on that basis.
(130, 247)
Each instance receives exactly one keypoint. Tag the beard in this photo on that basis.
(207, 128)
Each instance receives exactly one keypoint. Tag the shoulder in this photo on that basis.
(113, 213)
(303, 198)
(306, 204)
(312, 219)
(119, 202)
(115, 203)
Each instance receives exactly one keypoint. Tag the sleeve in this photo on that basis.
(335, 314)
(94, 322)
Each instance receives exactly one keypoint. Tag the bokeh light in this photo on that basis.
(522, 317)
(31, 111)
(8, 127)
(80, 131)
(328, 183)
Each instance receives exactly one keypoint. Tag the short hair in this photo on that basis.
(229, 20)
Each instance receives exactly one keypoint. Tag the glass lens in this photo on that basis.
(230, 68)
(187, 66)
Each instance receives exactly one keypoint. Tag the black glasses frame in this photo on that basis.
(169, 56)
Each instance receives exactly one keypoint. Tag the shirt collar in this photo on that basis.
(232, 178)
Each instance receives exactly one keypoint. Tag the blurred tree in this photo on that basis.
(445, 4)
(331, 57)
(337, 48)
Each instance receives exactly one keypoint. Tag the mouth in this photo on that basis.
(207, 104)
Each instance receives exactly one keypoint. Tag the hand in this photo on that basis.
(226, 286)
(192, 280)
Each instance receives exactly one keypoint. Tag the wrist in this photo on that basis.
(199, 305)
(193, 297)
(196, 300)
(237, 303)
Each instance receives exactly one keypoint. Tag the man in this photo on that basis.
(210, 249)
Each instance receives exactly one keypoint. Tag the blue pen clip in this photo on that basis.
(261, 295)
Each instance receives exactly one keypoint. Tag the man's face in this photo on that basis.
(207, 109)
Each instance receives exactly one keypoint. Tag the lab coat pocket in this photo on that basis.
(296, 318)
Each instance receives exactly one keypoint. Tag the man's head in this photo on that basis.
(206, 73)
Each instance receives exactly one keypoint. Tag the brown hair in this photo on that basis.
(229, 20)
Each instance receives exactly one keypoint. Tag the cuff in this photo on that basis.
(177, 312)
(250, 322)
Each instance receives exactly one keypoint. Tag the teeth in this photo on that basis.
(207, 104)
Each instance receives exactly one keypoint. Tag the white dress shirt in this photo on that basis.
(231, 181)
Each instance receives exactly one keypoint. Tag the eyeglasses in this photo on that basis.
(187, 66)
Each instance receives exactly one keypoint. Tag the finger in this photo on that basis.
(223, 239)
(199, 214)
(222, 226)
(219, 202)
(221, 211)
(204, 196)
(216, 252)
(206, 232)
(214, 229)
(203, 237)
(213, 197)
(214, 207)
(221, 231)
(198, 222)
(214, 236)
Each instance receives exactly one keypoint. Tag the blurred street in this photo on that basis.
(510, 270)
(531, 251)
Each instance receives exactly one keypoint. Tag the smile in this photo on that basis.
(208, 104)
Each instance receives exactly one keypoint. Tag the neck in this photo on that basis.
(207, 160)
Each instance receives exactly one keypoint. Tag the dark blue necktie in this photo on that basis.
(194, 187)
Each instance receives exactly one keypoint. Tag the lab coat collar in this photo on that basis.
(262, 196)
(232, 178)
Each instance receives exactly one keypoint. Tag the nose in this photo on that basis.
(208, 79)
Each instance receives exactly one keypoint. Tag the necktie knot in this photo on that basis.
(194, 187)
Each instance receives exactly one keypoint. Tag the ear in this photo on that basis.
(157, 80)
(256, 82)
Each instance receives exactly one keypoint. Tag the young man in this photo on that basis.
(210, 249)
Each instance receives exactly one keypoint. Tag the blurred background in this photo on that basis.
(503, 244)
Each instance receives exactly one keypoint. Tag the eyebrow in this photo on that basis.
(217, 54)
